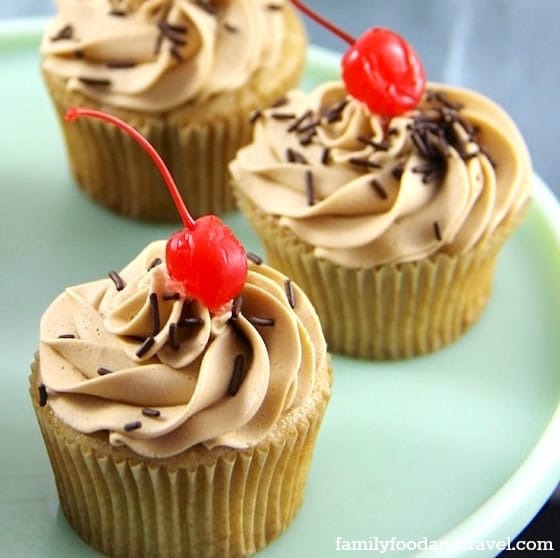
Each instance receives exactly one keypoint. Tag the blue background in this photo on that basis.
(506, 49)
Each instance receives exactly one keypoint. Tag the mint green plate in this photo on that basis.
(461, 445)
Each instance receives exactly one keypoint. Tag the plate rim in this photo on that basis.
(502, 514)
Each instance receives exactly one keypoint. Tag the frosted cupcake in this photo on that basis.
(197, 446)
(388, 201)
(187, 73)
(392, 225)
(180, 413)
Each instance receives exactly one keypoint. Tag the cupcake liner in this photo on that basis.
(196, 141)
(390, 311)
(202, 503)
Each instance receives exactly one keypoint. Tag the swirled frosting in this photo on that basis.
(155, 55)
(364, 190)
(161, 373)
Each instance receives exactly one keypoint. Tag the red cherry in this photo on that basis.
(207, 261)
(380, 69)
(205, 257)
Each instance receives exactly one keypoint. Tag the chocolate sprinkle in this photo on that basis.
(441, 98)
(379, 189)
(145, 347)
(97, 82)
(397, 172)
(172, 337)
(207, 6)
(155, 263)
(236, 307)
(280, 102)
(184, 316)
(282, 115)
(171, 296)
(175, 33)
(309, 127)
(335, 113)
(434, 132)
(325, 156)
(309, 187)
(236, 375)
(117, 279)
(103, 371)
(121, 64)
(230, 27)
(364, 163)
(290, 293)
(67, 336)
(306, 139)
(167, 32)
(256, 114)
(294, 156)
(181, 29)
(377, 145)
(134, 425)
(174, 51)
(437, 231)
(255, 258)
(299, 121)
(67, 32)
(265, 322)
(156, 324)
(159, 42)
(428, 170)
(420, 144)
(152, 413)
(43, 396)
(274, 7)
(118, 13)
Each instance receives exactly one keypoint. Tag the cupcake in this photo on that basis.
(188, 74)
(391, 224)
(198, 445)
(180, 422)
(387, 198)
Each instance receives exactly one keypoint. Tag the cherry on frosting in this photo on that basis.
(205, 257)
(380, 68)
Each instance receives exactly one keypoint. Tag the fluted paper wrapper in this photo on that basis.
(389, 311)
(219, 503)
(196, 141)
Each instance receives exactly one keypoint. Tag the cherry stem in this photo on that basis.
(324, 22)
(74, 113)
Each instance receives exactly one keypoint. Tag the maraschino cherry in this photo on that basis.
(380, 69)
(205, 257)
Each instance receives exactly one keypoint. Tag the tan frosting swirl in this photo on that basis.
(364, 191)
(97, 381)
(155, 55)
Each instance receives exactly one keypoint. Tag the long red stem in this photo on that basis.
(74, 113)
(324, 22)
